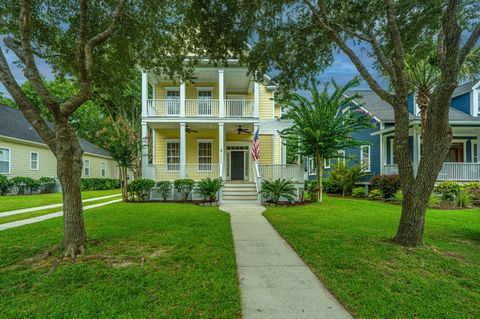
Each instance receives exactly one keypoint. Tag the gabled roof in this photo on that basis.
(464, 88)
(13, 124)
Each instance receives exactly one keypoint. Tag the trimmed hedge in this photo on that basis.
(97, 184)
(387, 184)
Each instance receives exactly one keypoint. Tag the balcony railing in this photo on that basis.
(200, 108)
(286, 171)
(450, 171)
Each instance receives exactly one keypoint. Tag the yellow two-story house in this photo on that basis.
(204, 127)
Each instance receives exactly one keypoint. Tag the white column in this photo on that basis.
(256, 99)
(221, 147)
(183, 150)
(478, 149)
(221, 93)
(283, 147)
(182, 99)
(145, 150)
(383, 153)
(416, 150)
(144, 94)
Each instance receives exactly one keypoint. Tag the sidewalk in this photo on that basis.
(274, 281)
(34, 209)
(48, 216)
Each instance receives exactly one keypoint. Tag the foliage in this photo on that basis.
(448, 190)
(388, 184)
(471, 185)
(398, 197)
(274, 190)
(463, 199)
(139, 189)
(209, 188)
(433, 200)
(5, 184)
(358, 192)
(376, 194)
(345, 177)
(25, 185)
(89, 184)
(47, 184)
(474, 195)
(184, 187)
(164, 187)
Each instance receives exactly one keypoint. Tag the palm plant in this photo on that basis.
(274, 190)
(209, 188)
(324, 123)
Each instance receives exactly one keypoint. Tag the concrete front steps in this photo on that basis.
(239, 192)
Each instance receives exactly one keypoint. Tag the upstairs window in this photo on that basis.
(173, 101)
(34, 160)
(4, 160)
(365, 157)
(205, 101)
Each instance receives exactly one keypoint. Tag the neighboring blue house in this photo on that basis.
(462, 162)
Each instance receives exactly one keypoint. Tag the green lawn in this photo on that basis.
(12, 218)
(8, 203)
(346, 243)
(146, 261)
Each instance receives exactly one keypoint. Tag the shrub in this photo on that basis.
(330, 186)
(273, 190)
(376, 194)
(140, 188)
(471, 185)
(398, 196)
(89, 184)
(345, 177)
(448, 190)
(5, 184)
(209, 188)
(388, 184)
(25, 185)
(163, 187)
(47, 184)
(463, 199)
(358, 192)
(184, 187)
(474, 195)
(433, 200)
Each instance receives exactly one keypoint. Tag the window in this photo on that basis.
(5, 160)
(341, 156)
(365, 157)
(393, 158)
(34, 160)
(456, 153)
(104, 169)
(204, 156)
(326, 163)
(173, 101)
(312, 168)
(86, 168)
(173, 156)
(474, 151)
(205, 102)
(151, 136)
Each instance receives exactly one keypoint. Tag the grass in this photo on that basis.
(144, 261)
(347, 244)
(8, 203)
(13, 218)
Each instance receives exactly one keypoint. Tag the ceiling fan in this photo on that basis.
(241, 130)
(189, 130)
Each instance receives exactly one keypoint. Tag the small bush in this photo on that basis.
(25, 185)
(345, 177)
(184, 187)
(433, 200)
(209, 188)
(376, 194)
(90, 184)
(140, 188)
(358, 192)
(330, 186)
(463, 199)
(398, 197)
(448, 190)
(388, 184)
(5, 185)
(273, 190)
(47, 185)
(163, 187)
(471, 185)
(474, 195)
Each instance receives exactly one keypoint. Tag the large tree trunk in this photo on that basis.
(69, 169)
(319, 178)
(423, 99)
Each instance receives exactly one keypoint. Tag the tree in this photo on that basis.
(323, 125)
(300, 38)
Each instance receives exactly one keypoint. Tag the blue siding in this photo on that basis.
(462, 103)
(411, 105)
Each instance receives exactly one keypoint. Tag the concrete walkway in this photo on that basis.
(274, 282)
(48, 216)
(34, 209)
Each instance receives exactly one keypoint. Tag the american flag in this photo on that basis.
(256, 147)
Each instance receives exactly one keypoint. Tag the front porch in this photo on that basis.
(462, 172)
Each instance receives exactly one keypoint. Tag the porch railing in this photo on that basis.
(288, 171)
(199, 108)
(162, 172)
(201, 171)
(171, 172)
(449, 171)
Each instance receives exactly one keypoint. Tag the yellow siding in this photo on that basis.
(277, 150)
(191, 89)
(265, 149)
(20, 161)
(239, 137)
(161, 146)
(265, 103)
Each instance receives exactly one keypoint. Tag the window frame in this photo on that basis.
(311, 169)
(172, 103)
(167, 164)
(343, 158)
(368, 167)
(9, 160)
(204, 103)
(327, 163)
(85, 167)
(37, 160)
(103, 169)
(205, 141)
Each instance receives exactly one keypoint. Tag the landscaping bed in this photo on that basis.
(347, 243)
(142, 261)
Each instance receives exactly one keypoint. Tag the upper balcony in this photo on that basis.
(235, 108)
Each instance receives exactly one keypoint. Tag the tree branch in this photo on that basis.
(398, 60)
(382, 59)
(468, 46)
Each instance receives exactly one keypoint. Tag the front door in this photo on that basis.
(237, 164)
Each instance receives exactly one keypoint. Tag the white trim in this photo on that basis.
(171, 88)
(343, 159)
(103, 167)
(9, 160)
(325, 161)
(247, 159)
(211, 155)
(368, 169)
(363, 108)
(204, 88)
(171, 140)
(38, 161)
(311, 170)
(273, 105)
(85, 166)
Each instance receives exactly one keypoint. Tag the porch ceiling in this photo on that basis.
(230, 128)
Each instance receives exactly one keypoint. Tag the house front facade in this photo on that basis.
(23, 152)
(205, 127)
(377, 156)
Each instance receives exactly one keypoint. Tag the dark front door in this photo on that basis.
(237, 159)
